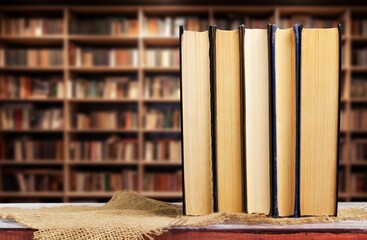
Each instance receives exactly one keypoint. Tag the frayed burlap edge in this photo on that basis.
(130, 216)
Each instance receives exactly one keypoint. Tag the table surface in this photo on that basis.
(334, 227)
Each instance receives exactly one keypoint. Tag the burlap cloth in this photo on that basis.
(130, 216)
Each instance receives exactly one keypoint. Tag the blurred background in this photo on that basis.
(89, 93)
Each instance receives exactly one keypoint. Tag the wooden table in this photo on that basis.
(344, 230)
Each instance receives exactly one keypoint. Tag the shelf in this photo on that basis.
(358, 100)
(162, 194)
(161, 69)
(359, 69)
(359, 164)
(161, 41)
(89, 194)
(31, 162)
(31, 69)
(41, 100)
(104, 39)
(103, 69)
(161, 100)
(358, 195)
(102, 100)
(34, 194)
(103, 162)
(33, 40)
(162, 163)
(357, 38)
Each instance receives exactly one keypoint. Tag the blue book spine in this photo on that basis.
(274, 124)
(297, 32)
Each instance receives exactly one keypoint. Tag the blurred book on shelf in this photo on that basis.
(358, 88)
(27, 116)
(308, 21)
(109, 57)
(160, 57)
(161, 116)
(359, 56)
(114, 26)
(105, 120)
(358, 182)
(33, 57)
(105, 88)
(12, 86)
(104, 181)
(359, 27)
(163, 182)
(113, 148)
(359, 150)
(26, 149)
(168, 26)
(33, 180)
(21, 26)
(166, 150)
(358, 118)
(162, 87)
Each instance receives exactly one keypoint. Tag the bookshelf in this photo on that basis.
(145, 29)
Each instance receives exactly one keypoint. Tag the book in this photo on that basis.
(284, 84)
(319, 120)
(162, 86)
(113, 148)
(27, 149)
(167, 116)
(33, 57)
(113, 25)
(358, 119)
(81, 56)
(105, 119)
(104, 181)
(163, 182)
(358, 88)
(257, 122)
(229, 165)
(30, 26)
(157, 57)
(168, 26)
(28, 116)
(106, 88)
(13, 86)
(197, 129)
(162, 150)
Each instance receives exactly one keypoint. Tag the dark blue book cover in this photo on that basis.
(274, 120)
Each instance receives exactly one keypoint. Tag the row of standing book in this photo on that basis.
(159, 117)
(105, 120)
(168, 26)
(358, 118)
(26, 116)
(114, 148)
(108, 88)
(260, 120)
(162, 87)
(112, 57)
(163, 182)
(25, 149)
(32, 26)
(31, 87)
(358, 88)
(104, 181)
(115, 26)
(166, 150)
(33, 180)
(14, 86)
(31, 57)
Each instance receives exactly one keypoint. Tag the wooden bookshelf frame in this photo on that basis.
(276, 13)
